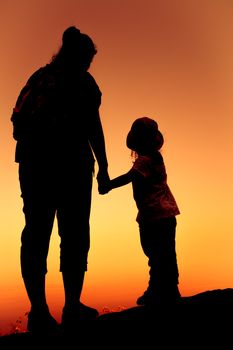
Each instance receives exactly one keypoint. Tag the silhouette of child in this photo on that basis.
(157, 210)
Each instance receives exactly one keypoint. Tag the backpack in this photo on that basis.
(35, 105)
(36, 115)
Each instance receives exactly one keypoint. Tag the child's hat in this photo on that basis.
(144, 135)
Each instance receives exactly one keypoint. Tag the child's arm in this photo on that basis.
(121, 180)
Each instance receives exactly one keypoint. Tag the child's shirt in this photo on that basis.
(152, 194)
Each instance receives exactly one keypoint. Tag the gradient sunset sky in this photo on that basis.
(171, 60)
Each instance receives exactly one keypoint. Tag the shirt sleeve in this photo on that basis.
(141, 165)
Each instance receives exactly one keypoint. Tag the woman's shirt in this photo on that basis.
(152, 194)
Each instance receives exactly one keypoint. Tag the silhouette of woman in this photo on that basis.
(59, 134)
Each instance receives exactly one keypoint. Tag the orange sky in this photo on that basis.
(169, 60)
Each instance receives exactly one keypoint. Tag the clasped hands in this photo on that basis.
(103, 182)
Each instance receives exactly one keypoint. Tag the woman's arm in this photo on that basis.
(97, 142)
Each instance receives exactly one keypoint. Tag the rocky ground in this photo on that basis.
(203, 320)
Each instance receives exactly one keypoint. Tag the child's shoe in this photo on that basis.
(147, 297)
(151, 297)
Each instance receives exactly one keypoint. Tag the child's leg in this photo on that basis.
(158, 243)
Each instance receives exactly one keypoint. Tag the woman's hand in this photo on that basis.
(103, 182)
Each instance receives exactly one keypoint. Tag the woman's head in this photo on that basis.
(144, 136)
(77, 48)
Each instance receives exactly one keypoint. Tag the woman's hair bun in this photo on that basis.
(71, 36)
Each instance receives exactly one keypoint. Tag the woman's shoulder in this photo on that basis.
(34, 76)
(92, 87)
(40, 73)
(91, 81)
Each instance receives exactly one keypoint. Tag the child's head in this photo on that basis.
(144, 136)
